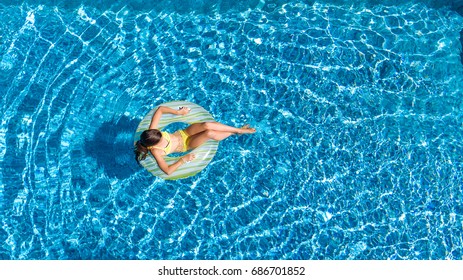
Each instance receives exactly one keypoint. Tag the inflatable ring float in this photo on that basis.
(204, 153)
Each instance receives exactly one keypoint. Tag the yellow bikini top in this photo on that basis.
(167, 148)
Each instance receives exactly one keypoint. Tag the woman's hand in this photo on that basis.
(188, 157)
(183, 110)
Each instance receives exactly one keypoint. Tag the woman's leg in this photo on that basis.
(195, 129)
(199, 138)
(216, 126)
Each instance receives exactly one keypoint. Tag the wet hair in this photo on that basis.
(148, 138)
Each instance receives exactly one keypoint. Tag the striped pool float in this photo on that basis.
(204, 153)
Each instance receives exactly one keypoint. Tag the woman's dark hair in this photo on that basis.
(148, 138)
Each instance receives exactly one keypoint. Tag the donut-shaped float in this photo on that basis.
(204, 153)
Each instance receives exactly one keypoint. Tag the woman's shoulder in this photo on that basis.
(157, 152)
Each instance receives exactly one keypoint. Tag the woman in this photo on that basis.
(160, 144)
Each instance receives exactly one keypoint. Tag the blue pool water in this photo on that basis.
(358, 153)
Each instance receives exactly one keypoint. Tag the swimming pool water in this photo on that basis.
(358, 153)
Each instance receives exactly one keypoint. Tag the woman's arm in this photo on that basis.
(169, 169)
(165, 110)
